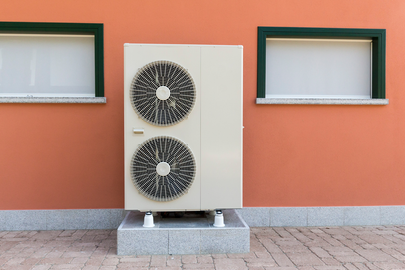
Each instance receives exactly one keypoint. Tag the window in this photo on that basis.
(321, 66)
(61, 62)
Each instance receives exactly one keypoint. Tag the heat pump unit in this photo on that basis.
(183, 127)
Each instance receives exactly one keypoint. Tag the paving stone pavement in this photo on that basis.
(276, 248)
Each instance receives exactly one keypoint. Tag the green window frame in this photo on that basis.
(95, 29)
(378, 40)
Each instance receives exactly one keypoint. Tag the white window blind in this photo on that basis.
(318, 68)
(47, 65)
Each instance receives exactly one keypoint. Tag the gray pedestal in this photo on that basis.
(186, 235)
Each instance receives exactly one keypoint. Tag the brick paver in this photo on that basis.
(299, 248)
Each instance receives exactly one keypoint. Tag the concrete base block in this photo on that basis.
(186, 235)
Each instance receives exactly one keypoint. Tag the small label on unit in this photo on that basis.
(138, 130)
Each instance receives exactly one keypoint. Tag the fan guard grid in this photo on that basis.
(157, 111)
(149, 155)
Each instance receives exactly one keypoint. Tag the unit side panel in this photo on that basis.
(221, 127)
(188, 130)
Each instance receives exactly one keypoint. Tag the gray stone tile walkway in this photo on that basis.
(277, 248)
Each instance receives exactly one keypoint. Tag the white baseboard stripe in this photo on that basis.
(78, 219)
(85, 219)
(323, 216)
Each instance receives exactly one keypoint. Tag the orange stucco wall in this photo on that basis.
(71, 155)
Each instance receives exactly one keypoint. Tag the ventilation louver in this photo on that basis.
(163, 168)
(162, 93)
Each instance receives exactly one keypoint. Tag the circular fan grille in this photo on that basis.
(163, 168)
(162, 93)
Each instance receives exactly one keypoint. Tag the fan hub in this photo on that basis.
(163, 92)
(163, 168)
